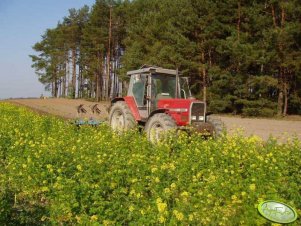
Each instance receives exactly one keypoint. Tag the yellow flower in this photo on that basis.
(78, 219)
(159, 200)
(79, 167)
(173, 186)
(154, 169)
(94, 218)
(166, 190)
(185, 194)
(252, 187)
(132, 192)
(178, 215)
(161, 207)
(134, 180)
(233, 197)
(113, 185)
(108, 222)
(172, 166)
(131, 208)
(162, 219)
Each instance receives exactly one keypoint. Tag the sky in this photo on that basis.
(22, 22)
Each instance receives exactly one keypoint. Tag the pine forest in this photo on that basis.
(242, 57)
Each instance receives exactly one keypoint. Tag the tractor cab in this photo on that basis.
(151, 84)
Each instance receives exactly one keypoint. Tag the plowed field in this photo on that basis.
(264, 128)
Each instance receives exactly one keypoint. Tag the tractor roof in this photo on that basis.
(152, 69)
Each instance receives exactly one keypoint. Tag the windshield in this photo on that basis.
(163, 86)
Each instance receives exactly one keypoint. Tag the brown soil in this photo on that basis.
(264, 128)
(65, 108)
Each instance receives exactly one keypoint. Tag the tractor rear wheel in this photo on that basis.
(121, 117)
(158, 125)
(217, 124)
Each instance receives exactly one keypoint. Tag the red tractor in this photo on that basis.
(159, 100)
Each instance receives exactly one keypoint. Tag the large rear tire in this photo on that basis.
(121, 118)
(158, 125)
(217, 124)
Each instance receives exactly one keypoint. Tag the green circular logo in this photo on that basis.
(277, 211)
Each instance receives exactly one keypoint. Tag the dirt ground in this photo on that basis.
(264, 128)
(65, 108)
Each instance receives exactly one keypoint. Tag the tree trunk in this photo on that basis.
(91, 95)
(280, 103)
(282, 78)
(238, 19)
(281, 90)
(80, 83)
(204, 76)
(285, 93)
(73, 73)
(55, 87)
(238, 30)
(285, 75)
(97, 83)
(67, 76)
(52, 89)
(274, 16)
(60, 87)
(64, 82)
(107, 84)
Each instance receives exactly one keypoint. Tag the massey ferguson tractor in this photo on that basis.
(160, 100)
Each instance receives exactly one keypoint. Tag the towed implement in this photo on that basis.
(81, 111)
(160, 100)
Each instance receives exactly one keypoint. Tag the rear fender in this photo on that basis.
(116, 99)
(113, 101)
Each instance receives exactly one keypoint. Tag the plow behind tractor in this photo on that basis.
(81, 115)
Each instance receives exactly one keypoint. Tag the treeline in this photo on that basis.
(241, 56)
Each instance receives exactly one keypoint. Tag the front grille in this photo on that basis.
(197, 113)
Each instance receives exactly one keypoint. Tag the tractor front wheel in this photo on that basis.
(121, 117)
(158, 125)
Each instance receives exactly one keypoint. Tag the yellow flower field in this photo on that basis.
(53, 173)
